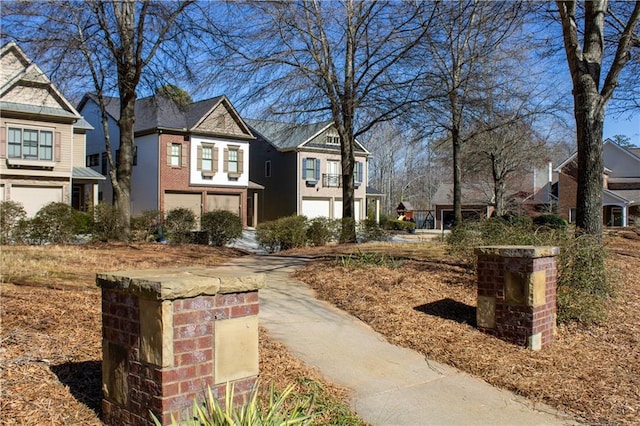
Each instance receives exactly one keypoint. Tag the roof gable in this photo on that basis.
(222, 118)
(24, 88)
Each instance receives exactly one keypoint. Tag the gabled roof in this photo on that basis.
(25, 89)
(159, 112)
(633, 152)
(471, 194)
(291, 136)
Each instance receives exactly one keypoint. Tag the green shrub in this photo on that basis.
(179, 223)
(54, 223)
(282, 234)
(11, 213)
(278, 411)
(141, 226)
(369, 230)
(583, 287)
(106, 223)
(222, 227)
(552, 221)
(83, 222)
(400, 225)
(320, 231)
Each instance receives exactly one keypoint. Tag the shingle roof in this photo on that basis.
(36, 109)
(471, 194)
(286, 136)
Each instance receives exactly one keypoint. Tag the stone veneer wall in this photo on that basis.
(517, 293)
(169, 335)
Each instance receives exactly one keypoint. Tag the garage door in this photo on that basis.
(337, 209)
(314, 207)
(33, 198)
(229, 202)
(192, 202)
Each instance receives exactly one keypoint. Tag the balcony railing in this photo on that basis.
(331, 181)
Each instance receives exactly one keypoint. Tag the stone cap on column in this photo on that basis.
(179, 283)
(531, 252)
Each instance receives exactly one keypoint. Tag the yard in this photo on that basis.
(50, 351)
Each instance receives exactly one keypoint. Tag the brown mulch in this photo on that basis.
(50, 337)
(429, 305)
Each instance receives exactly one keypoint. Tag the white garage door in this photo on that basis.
(33, 198)
(173, 200)
(315, 207)
(224, 202)
(337, 209)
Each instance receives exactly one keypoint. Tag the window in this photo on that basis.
(333, 138)
(233, 161)
(105, 163)
(30, 144)
(207, 158)
(357, 174)
(93, 160)
(267, 168)
(176, 151)
(311, 169)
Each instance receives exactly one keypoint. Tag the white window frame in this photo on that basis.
(44, 147)
(176, 155)
(233, 163)
(207, 158)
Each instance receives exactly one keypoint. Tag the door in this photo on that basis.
(33, 198)
(228, 202)
(315, 207)
(192, 202)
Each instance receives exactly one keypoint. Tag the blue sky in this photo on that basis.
(623, 126)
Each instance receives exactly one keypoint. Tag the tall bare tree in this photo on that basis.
(108, 46)
(591, 93)
(339, 59)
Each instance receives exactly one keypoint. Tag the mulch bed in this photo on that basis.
(429, 306)
(50, 338)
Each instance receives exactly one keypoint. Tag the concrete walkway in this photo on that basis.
(390, 385)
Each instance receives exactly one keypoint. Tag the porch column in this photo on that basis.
(377, 210)
(255, 209)
(624, 216)
(94, 200)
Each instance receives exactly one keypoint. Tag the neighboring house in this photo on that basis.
(621, 192)
(42, 140)
(194, 156)
(300, 169)
(477, 202)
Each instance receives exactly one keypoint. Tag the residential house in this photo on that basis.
(300, 169)
(477, 202)
(621, 192)
(42, 140)
(194, 156)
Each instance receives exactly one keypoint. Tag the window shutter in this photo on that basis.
(240, 161)
(58, 147)
(317, 170)
(199, 166)
(3, 142)
(304, 168)
(214, 166)
(225, 163)
(183, 156)
(168, 153)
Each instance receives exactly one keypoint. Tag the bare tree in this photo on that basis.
(591, 93)
(115, 43)
(344, 60)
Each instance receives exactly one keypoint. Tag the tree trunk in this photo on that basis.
(589, 125)
(122, 192)
(457, 176)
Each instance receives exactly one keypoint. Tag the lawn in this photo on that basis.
(51, 351)
(427, 303)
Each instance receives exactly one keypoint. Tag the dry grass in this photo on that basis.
(50, 340)
(429, 304)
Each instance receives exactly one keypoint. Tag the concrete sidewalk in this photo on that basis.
(390, 385)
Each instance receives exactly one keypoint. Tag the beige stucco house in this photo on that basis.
(42, 139)
(299, 166)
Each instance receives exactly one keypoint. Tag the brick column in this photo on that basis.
(169, 335)
(517, 293)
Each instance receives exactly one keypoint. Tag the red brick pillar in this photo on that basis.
(517, 293)
(169, 335)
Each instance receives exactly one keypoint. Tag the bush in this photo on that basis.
(141, 226)
(583, 287)
(321, 230)
(552, 221)
(179, 223)
(222, 227)
(369, 230)
(54, 223)
(106, 223)
(282, 234)
(400, 225)
(281, 409)
(11, 213)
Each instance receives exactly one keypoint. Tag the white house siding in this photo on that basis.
(220, 178)
(145, 192)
